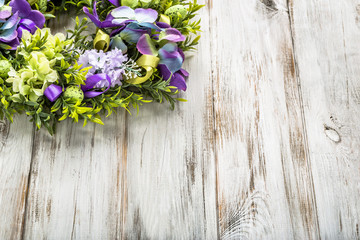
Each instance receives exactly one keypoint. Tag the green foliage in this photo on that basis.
(44, 58)
(6, 108)
(79, 37)
(65, 5)
(185, 23)
(41, 59)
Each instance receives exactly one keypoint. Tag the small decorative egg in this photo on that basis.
(175, 10)
(74, 93)
(5, 66)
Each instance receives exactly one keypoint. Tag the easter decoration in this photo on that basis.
(135, 56)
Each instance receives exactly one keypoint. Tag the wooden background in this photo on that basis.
(267, 147)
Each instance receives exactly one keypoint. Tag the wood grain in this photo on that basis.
(78, 179)
(15, 159)
(267, 146)
(150, 175)
(264, 174)
(77, 187)
(171, 164)
(328, 57)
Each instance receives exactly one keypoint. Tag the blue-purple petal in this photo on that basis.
(162, 25)
(118, 43)
(11, 22)
(178, 81)
(146, 46)
(8, 35)
(172, 60)
(172, 35)
(21, 6)
(181, 53)
(12, 45)
(121, 21)
(53, 92)
(170, 47)
(164, 71)
(5, 12)
(146, 15)
(123, 12)
(25, 12)
(132, 35)
(107, 23)
(117, 31)
(93, 18)
(184, 72)
(149, 25)
(29, 25)
(133, 32)
(37, 17)
(115, 2)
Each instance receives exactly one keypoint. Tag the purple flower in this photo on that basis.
(8, 24)
(172, 35)
(15, 18)
(126, 14)
(25, 12)
(107, 23)
(135, 23)
(177, 79)
(93, 58)
(115, 2)
(53, 92)
(133, 32)
(122, 15)
(110, 63)
(171, 60)
(26, 24)
(5, 11)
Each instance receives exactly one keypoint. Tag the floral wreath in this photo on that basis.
(135, 56)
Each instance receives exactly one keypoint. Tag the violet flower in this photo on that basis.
(25, 12)
(115, 2)
(107, 23)
(132, 24)
(8, 34)
(126, 14)
(15, 18)
(171, 60)
(138, 27)
(5, 11)
(110, 63)
(135, 22)
(177, 79)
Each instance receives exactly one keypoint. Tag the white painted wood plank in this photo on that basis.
(171, 164)
(265, 187)
(15, 156)
(77, 186)
(147, 176)
(326, 37)
(78, 179)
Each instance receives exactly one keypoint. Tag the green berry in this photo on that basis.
(5, 66)
(176, 10)
(74, 93)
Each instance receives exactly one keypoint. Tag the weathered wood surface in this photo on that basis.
(267, 146)
(328, 57)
